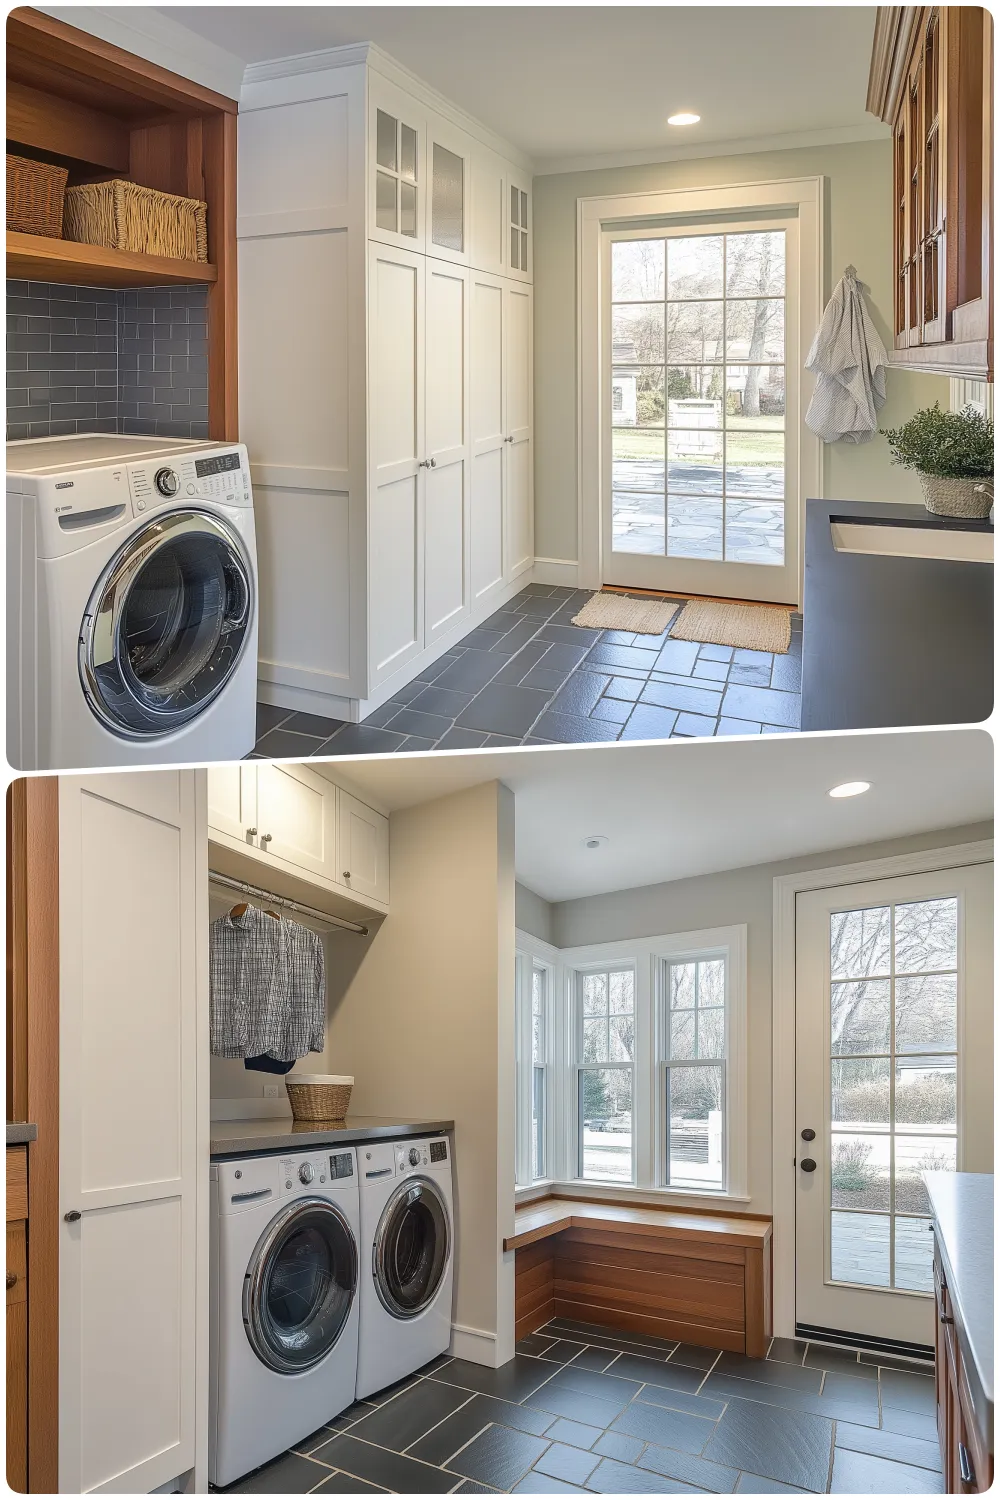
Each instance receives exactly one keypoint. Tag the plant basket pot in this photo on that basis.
(971, 498)
(319, 1097)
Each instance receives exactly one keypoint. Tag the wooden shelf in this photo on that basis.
(32, 257)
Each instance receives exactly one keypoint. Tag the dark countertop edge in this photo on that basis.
(21, 1133)
(954, 1197)
(268, 1136)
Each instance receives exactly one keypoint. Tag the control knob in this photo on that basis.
(414, 1157)
(307, 1172)
(166, 482)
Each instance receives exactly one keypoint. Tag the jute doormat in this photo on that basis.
(619, 612)
(752, 627)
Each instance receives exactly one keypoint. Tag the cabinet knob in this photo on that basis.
(72, 1216)
(251, 833)
(347, 874)
(265, 838)
(434, 463)
(424, 463)
(11, 1280)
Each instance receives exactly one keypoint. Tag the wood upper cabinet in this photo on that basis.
(931, 81)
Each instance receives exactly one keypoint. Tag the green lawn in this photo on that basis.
(744, 446)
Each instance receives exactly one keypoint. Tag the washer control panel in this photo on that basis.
(417, 1156)
(218, 475)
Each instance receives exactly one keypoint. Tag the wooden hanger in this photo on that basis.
(241, 906)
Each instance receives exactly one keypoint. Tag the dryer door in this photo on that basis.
(300, 1286)
(166, 625)
(411, 1248)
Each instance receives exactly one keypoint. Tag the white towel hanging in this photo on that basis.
(849, 361)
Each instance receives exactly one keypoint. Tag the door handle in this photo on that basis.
(72, 1216)
(808, 1165)
(965, 1469)
(808, 1135)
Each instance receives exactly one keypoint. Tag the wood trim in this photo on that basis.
(17, 971)
(219, 155)
(17, 1183)
(895, 28)
(538, 1221)
(34, 257)
(42, 886)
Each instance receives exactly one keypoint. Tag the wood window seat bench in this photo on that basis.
(700, 1278)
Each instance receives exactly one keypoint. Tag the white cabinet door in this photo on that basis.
(364, 848)
(397, 157)
(446, 444)
(519, 485)
(297, 820)
(232, 801)
(520, 258)
(488, 212)
(397, 459)
(487, 310)
(449, 175)
(133, 1126)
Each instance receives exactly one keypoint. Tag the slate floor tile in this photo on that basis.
(716, 670)
(789, 1351)
(577, 1434)
(499, 709)
(269, 717)
(571, 729)
(471, 672)
(517, 667)
(568, 635)
(280, 744)
(921, 1452)
(571, 1465)
(438, 1445)
(534, 1344)
(498, 1457)
(445, 702)
(910, 1423)
(612, 710)
(909, 1392)
(694, 1356)
(716, 653)
(694, 725)
(407, 1417)
(861, 1474)
(541, 1484)
(647, 722)
(772, 1372)
(789, 1446)
(564, 1401)
(787, 673)
(358, 739)
(670, 1429)
(824, 1357)
(547, 678)
(692, 1470)
(461, 739)
(691, 699)
(316, 724)
(754, 1484)
(414, 743)
(579, 694)
(514, 1381)
(472, 1487)
(737, 726)
(896, 1362)
(594, 1358)
(291, 1474)
(862, 1410)
(562, 1351)
(655, 1372)
(410, 721)
(698, 1406)
(500, 742)
(391, 1471)
(619, 1445)
(613, 1478)
(626, 688)
(622, 656)
(766, 705)
(346, 1484)
(678, 656)
(592, 1383)
(599, 1333)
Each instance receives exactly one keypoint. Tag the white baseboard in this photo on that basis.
(474, 1344)
(304, 700)
(562, 571)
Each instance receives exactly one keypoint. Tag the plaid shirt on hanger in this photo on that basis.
(267, 987)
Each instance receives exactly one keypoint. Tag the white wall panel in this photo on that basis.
(278, 172)
(303, 541)
(394, 541)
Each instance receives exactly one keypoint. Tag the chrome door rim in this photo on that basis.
(99, 631)
(255, 1278)
(378, 1249)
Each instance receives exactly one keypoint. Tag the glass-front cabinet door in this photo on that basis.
(449, 174)
(397, 205)
(520, 263)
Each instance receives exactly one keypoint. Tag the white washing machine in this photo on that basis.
(131, 602)
(407, 1267)
(284, 1303)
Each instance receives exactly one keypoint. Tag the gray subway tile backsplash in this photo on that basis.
(88, 359)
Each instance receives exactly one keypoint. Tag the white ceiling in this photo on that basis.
(565, 82)
(671, 812)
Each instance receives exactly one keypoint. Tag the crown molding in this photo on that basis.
(848, 135)
(321, 61)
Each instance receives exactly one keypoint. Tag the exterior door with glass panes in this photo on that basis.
(700, 425)
(894, 1078)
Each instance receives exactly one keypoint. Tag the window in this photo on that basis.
(694, 1077)
(539, 986)
(605, 1032)
(535, 974)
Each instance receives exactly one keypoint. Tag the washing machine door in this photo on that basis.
(410, 1251)
(300, 1286)
(166, 625)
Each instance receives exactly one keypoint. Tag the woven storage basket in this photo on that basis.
(972, 498)
(318, 1096)
(125, 216)
(35, 191)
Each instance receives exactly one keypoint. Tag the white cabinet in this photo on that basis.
(520, 507)
(296, 821)
(518, 242)
(397, 185)
(488, 218)
(133, 1132)
(449, 175)
(502, 504)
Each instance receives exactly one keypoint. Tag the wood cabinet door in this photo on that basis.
(488, 307)
(232, 801)
(446, 446)
(17, 1356)
(364, 848)
(297, 820)
(133, 1109)
(519, 476)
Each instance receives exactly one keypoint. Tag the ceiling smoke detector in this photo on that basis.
(595, 841)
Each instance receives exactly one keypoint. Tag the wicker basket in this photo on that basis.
(125, 216)
(972, 498)
(318, 1096)
(35, 191)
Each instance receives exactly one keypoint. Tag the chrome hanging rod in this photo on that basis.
(259, 894)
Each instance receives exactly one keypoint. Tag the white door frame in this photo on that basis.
(785, 890)
(801, 195)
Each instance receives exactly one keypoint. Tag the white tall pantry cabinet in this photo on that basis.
(385, 373)
(133, 1132)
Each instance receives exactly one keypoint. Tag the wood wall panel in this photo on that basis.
(533, 1275)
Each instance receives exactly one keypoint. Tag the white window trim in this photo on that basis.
(561, 1143)
(801, 195)
(785, 890)
(530, 953)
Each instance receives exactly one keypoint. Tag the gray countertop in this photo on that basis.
(962, 1205)
(21, 1133)
(282, 1133)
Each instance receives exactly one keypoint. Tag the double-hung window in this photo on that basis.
(535, 975)
(539, 1038)
(693, 1072)
(605, 1093)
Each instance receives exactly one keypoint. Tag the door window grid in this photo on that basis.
(698, 359)
(396, 175)
(693, 1088)
(893, 1086)
(605, 1035)
(539, 991)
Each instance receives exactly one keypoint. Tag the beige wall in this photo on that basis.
(425, 1023)
(858, 232)
(738, 896)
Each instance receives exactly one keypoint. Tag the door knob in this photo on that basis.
(72, 1216)
(808, 1165)
(424, 463)
(808, 1135)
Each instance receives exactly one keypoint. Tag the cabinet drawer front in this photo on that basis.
(17, 1182)
(17, 1262)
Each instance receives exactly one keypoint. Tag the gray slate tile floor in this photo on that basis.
(588, 1410)
(526, 676)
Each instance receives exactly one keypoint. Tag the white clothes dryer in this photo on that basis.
(131, 602)
(283, 1344)
(407, 1271)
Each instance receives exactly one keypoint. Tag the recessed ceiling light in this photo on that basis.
(684, 118)
(850, 789)
(595, 841)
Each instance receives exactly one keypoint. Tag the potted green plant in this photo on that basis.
(952, 452)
